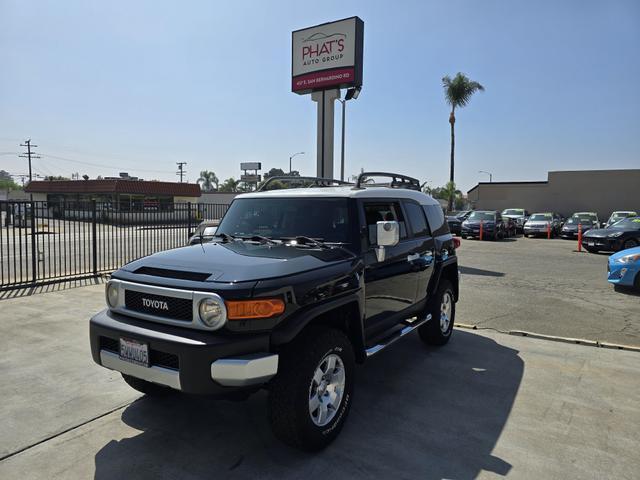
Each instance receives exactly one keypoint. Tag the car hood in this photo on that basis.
(239, 261)
(470, 223)
(603, 232)
(622, 253)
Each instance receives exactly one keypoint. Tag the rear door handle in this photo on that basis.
(412, 257)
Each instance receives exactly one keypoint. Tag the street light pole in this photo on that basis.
(344, 103)
(487, 173)
(290, 158)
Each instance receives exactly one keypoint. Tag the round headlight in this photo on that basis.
(212, 312)
(112, 294)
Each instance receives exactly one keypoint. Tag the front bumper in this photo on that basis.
(622, 274)
(602, 243)
(184, 359)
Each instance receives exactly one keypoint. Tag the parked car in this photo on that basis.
(520, 215)
(624, 268)
(205, 232)
(510, 226)
(593, 216)
(493, 227)
(455, 224)
(619, 215)
(619, 236)
(298, 286)
(540, 223)
(570, 227)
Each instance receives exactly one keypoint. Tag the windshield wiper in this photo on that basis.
(307, 241)
(259, 238)
(225, 237)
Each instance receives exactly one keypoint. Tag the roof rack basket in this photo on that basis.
(397, 181)
(303, 182)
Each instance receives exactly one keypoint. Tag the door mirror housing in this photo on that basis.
(387, 233)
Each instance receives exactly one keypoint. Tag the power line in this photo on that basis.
(57, 157)
(28, 154)
(181, 170)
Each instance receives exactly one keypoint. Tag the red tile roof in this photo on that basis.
(139, 187)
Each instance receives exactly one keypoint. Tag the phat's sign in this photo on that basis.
(327, 56)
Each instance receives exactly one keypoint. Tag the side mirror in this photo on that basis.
(387, 235)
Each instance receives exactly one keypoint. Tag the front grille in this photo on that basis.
(109, 344)
(164, 359)
(176, 308)
(156, 357)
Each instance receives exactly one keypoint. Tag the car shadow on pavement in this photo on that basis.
(417, 412)
(479, 271)
(627, 290)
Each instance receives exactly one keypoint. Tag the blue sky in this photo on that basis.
(138, 86)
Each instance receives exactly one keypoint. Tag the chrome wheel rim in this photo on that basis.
(445, 312)
(326, 390)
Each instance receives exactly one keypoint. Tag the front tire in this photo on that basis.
(442, 308)
(631, 243)
(310, 398)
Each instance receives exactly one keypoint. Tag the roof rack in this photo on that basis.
(306, 182)
(397, 181)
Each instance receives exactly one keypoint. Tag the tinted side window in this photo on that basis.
(381, 212)
(416, 219)
(436, 220)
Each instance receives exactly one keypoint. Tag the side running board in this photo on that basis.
(412, 325)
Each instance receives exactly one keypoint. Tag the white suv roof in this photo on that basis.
(345, 191)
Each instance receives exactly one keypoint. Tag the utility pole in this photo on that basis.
(181, 170)
(28, 154)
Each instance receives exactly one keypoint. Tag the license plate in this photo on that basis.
(135, 352)
(590, 244)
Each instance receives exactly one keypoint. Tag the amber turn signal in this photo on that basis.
(247, 309)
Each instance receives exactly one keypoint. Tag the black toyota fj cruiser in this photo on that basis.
(297, 286)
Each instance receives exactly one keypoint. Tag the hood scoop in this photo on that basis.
(168, 273)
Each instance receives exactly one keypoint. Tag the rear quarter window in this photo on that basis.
(435, 216)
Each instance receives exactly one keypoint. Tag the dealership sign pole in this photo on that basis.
(326, 58)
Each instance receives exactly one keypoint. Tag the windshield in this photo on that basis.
(513, 211)
(540, 217)
(482, 216)
(628, 224)
(589, 216)
(578, 221)
(321, 218)
(619, 215)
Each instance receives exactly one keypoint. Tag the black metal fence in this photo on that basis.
(42, 242)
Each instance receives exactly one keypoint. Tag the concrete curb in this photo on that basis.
(553, 338)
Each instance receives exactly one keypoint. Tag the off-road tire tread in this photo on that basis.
(430, 332)
(296, 360)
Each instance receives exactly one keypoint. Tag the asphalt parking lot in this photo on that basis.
(547, 287)
(486, 405)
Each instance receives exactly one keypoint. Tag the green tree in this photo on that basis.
(208, 181)
(9, 185)
(457, 91)
(450, 193)
(278, 172)
(56, 177)
(229, 185)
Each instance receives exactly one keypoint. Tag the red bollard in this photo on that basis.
(579, 237)
(480, 229)
(548, 231)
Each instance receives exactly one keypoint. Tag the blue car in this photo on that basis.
(624, 268)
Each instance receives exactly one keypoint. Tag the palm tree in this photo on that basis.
(208, 180)
(457, 91)
(230, 185)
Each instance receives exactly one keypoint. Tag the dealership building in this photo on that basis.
(565, 192)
